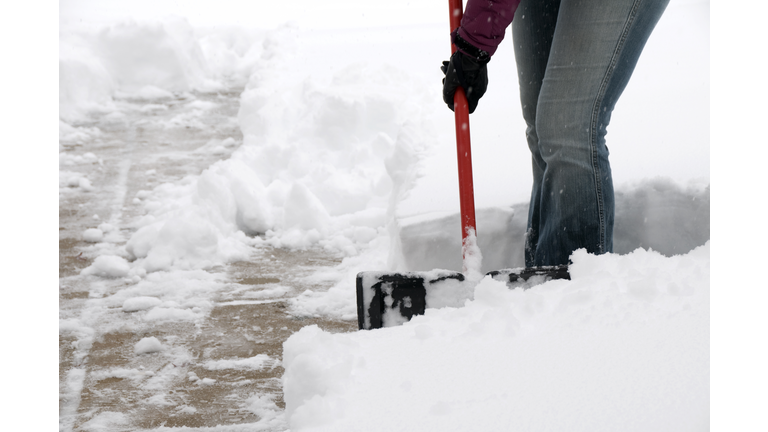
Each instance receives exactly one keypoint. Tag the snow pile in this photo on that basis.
(148, 59)
(193, 230)
(330, 155)
(108, 266)
(151, 56)
(230, 52)
(624, 346)
(148, 345)
(322, 162)
(84, 84)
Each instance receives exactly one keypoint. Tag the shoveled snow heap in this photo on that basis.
(624, 345)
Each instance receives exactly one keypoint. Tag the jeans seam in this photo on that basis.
(595, 116)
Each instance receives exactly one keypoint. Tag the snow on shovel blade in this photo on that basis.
(391, 299)
(534, 275)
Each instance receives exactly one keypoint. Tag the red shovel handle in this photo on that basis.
(463, 148)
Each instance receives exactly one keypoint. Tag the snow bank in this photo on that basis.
(161, 55)
(84, 83)
(658, 214)
(322, 162)
(148, 59)
(623, 346)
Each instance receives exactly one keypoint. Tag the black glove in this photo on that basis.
(468, 72)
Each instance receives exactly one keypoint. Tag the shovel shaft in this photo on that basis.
(464, 154)
(463, 147)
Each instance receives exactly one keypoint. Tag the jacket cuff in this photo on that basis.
(469, 49)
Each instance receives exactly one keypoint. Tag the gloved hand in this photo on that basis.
(469, 73)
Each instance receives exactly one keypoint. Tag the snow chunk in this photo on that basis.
(75, 326)
(148, 345)
(258, 362)
(110, 266)
(106, 227)
(140, 303)
(159, 400)
(93, 235)
(85, 184)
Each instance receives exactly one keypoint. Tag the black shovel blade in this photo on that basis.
(389, 299)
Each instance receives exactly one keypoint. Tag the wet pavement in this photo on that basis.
(202, 378)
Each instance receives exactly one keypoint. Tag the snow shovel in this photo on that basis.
(389, 299)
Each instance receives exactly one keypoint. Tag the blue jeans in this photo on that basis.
(574, 59)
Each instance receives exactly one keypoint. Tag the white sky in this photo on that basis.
(262, 14)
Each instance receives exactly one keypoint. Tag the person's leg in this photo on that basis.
(594, 49)
(532, 32)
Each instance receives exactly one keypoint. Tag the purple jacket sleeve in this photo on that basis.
(485, 21)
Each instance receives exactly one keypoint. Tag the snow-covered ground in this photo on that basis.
(623, 346)
(347, 148)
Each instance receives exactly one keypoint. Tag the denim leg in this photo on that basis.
(532, 32)
(574, 59)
